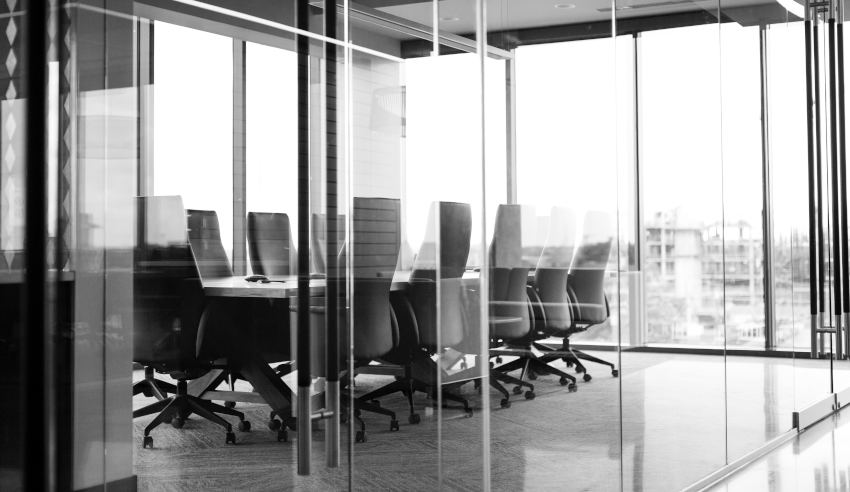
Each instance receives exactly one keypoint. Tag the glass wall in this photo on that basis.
(391, 245)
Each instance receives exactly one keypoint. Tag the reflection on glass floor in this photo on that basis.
(673, 411)
(816, 460)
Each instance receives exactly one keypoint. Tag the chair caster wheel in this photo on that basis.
(615, 372)
(587, 377)
(178, 422)
(377, 403)
(498, 360)
(505, 403)
(394, 425)
(532, 375)
(360, 436)
(230, 404)
(147, 442)
(282, 435)
(244, 426)
(463, 365)
(230, 438)
(529, 395)
(517, 390)
(148, 393)
(414, 418)
(468, 412)
(572, 388)
(274, 424)
(564, 381)
(343, 417)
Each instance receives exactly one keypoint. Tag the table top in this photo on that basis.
(17, 276)
(282, 287)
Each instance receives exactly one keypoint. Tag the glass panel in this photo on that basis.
(758, 402)
(786, 54)
(572, 201)
(682, 262)
(788, 157)
(445, 227)
(567, 97)
(99, 162)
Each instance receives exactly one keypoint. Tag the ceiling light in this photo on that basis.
(449, 19)
(565, 6)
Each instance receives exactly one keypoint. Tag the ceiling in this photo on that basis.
(458, 16)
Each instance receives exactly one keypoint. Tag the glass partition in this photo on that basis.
(391, 245)
(567, 179)
(682, 260)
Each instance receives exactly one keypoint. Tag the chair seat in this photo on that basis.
(507, 327)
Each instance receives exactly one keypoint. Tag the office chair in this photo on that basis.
(511, 317)
(318, 240)
(265, 322)
(171, 314)
(272, 254)
(270, 245)
(205, 240)
(586, 290)
(375, 243)
(549, 299)
(416, 308)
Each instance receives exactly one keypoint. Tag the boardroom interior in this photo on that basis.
(418, 245)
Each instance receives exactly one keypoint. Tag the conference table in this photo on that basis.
(286, 286)
(269, 387)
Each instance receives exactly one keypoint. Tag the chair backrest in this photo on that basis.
(376, 241)
(587, 272)
(205, 239)
(318, 241)
(167, 291)
(508, 275)
(270, 244)
(455, 230)
(550, 276)
(506, 245)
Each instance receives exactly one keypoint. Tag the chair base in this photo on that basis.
(178, 407)
(531, 366)
(152, 387)
(408, 385)
(573, 357)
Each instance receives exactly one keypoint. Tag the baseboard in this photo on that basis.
(741, 463)
(129, 484)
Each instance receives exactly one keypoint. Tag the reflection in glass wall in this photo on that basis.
(682, 253)
(392, 245)
(566, 180)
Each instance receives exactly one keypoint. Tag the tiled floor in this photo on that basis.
(677, 426)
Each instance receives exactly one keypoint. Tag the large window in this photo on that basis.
(442, 160)
(703, 247)
(567, 147)
(193, 112)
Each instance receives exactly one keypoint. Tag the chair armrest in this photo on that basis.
(536, 304)
(394, 325)
(575, 308)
